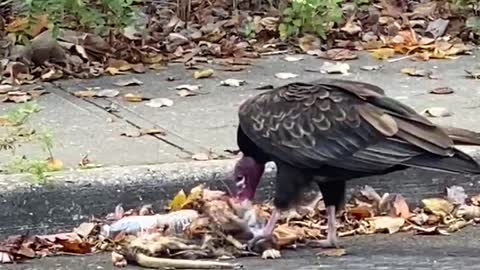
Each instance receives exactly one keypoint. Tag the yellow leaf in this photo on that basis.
(383, 53)
(40, 24)
(204, 73)
(17, 25)
(54, 164)
(157, 66)
(133, 97)
(178, 201)
(438, 206)
(113, 71)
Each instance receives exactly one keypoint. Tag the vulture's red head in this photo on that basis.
(247, 174)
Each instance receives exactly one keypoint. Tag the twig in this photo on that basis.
(401, 58)
(162, 263)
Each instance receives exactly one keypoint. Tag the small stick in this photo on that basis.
(161, 263)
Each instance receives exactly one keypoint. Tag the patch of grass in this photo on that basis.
(21, 114)
(17, 133)
(99, 16)
(310, 16)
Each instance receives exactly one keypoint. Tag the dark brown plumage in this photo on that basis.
(330, 131)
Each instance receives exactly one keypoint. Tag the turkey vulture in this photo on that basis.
(329, 131)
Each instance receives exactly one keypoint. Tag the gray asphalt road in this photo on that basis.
(399, 251)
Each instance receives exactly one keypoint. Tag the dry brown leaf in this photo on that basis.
(114, 71)
(52, 74)
(361, 212)
(338, 54)
(119, 64)
(85, 229)
(309, 43)
(438, 206)
(401, 207)
(382, 223)
(383, 53)
(442, 91)
(468, 211)
(139, 68)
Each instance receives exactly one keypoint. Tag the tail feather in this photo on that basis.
(462, 136)
(458, 163)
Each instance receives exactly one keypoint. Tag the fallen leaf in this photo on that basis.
(336, 68)
(85, 229)
(437, 28)
(468, 211)
(52, 74)
(159, 102)
(309, 42)
(232, 82)
(132, 133)
(383, 53)
(332, 252)
(416, 72)
(130, 97)
(178, 201)
(186, 93)
(442, 91)
(352, 28)
(371, 68)
(128, 82)
(437, 206)
(201, 157)
(114, 71)
(401, 207)
(139, 68)
(157, 66)
(189, 87)
(436, 112)
(285, 75)
(107, 93)
(202, 74)
(54, 164)
(291, 58)
(382, 223)
(120, 65)
(338, 54)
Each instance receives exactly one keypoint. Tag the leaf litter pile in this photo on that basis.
(208, 224)
(227, 34)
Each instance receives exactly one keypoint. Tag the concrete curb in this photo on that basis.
(75, 196)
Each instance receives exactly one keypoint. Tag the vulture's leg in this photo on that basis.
(288, 186)
(334, 197)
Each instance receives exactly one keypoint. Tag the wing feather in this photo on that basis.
(341, 124)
